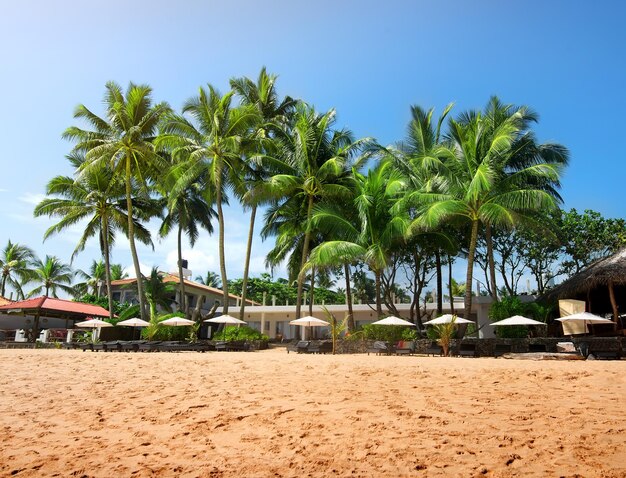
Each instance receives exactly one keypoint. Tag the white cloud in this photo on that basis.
(32, 198)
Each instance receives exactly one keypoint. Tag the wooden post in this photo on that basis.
(613, 303)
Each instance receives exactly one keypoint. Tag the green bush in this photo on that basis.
(389, 333)
(233, 333)
(163, 332)
(510, 306)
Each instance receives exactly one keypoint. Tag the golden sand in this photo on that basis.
(69, 413)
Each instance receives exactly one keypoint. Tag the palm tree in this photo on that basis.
(158, 293)
(378, 230)
(272, 112)
(187, 209)
(95, 196)
(52, 275)
(311, 162)
(215, 144)
(482, 184)
(123, 141)
(117, 272)
(15, 266)
(211, 279)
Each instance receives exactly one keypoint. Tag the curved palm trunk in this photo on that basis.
(4, 281)
(470, 270)
(312, 294)
(183, 298)
(305, 254)
(450, 285)
(104, 230)
(131, 240)
(439, 282)
(246, 268)
(220, 221)
(490, 260)
(351, 325)
(379, 304)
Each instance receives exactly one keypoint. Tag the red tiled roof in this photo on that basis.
(58, 305)
(174, 278)
(4, 300)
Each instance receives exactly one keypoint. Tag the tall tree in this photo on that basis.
(15, 267)
(214, 143)
(187, 209)
(123, 141)
(51, 275)
(485, 182)
(311, 163)
(98, 197)
(378, 232)
(273, 113)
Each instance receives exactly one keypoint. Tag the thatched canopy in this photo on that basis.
(602, 273)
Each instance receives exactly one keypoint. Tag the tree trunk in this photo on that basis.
(439, 283)
(305, 254)
(450, 285)
(379, 306)
(351, 324)
(491, 262)
(246, 267)
(4, 281)
(104, 230)
(220, 220)
(470, 270)
(613, 303)
(182, 306)
(312, 291)
(131, 240)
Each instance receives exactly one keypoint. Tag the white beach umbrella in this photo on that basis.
(391, 320)
(517, 320)
(577, 323)
(177, 322)
(225, 319)
(309, 321)
(446, 319)
(95, 324)
(134, 322)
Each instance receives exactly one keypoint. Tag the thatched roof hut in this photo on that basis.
(602, 285)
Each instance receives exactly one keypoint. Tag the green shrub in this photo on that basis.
(510, 306)
(389, 333)
(156, 331)
(234, 333)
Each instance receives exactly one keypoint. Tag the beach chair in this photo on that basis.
(320, 347)
(380, 348)
(300, 347)
(501, 349)
(434, 349)
(405, 347)
(536, 348)
(467, 350)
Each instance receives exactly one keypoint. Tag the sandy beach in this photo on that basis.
(69, 413)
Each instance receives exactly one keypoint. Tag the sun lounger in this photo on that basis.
(434, 349)
(467, 350)
(300, 347)
(320, 347)
(501, 349)
(150, 346)
(535, 348)
(405, 347)
(381, 348)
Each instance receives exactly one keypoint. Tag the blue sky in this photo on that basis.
(369, 60)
